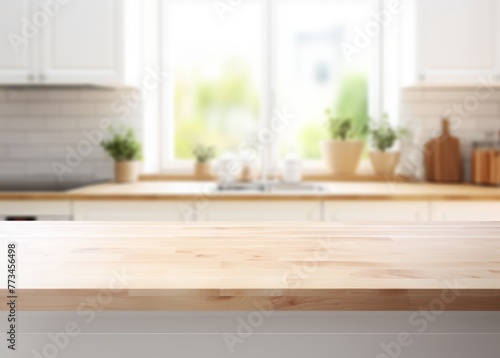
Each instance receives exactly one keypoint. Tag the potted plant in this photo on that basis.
(342, 152)
(383, 137)
(124, 148)
(203, 155)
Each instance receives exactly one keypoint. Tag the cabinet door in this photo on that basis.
(129, 211)
(17, 42)
(83, 43)
(457, 40)
(259, 211)
(35, 208)
(465, 211)
(376, 211)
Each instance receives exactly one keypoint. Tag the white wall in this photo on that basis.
(37, 126)
(471, 119)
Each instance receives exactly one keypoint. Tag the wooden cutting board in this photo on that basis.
(442, 158)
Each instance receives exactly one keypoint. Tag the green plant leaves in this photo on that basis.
(123, 146)
(203, 153)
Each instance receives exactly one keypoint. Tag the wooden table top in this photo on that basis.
(158, 190)
(247, 266)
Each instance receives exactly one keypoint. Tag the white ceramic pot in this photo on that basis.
(127, 171)
(228, 169)
(384, 162)
(342, 156)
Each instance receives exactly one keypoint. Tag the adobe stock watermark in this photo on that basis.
(364, 36)
(421, 320)
(86, 311)
(48, 9)
(224, 6)
(122, 107)
(296, 275)
(456, 114)
(247, 151)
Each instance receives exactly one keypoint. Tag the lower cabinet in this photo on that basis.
(262, 210)
(250, 210)
(133, 211)
(376, 211)
(465, 211)
(56, 210)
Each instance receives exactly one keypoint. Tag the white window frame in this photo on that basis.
(165, 162)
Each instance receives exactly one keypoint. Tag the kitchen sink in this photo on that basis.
(272, 187)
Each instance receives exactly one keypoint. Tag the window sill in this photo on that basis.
(313, 172)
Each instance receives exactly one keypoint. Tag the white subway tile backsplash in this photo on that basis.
(12, 170)
(27, 95)
(85, 169)
(26, 152)
(90, 123)
(9, 138)
(104, 170)
(72, 137)
(43, 138)
(486, 109)
(62, 123)
(44, 109)
(412, 95)
(489, 124)
(8, 108)
(457, 96)
(40, 168)
(106, 109)
(102, 95)
(79, 109)
(22, 123)
(37, 125)
(63, 95)
(471, 118)
(56, 152)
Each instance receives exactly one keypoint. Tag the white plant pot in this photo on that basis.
(342, 156)
(127, 171)
(384, 162)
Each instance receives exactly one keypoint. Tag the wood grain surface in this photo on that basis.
(254, 266)
(155, 190)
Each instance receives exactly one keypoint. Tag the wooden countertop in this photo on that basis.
(157, 190)
(251, 266)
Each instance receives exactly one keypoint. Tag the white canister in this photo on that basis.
(292, 168)
(228, 169)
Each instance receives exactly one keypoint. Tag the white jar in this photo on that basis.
(292, 168)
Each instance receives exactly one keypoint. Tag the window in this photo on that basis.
(312, 71)
(216, 70)
(232, 67)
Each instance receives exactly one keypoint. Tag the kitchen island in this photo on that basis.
(300, 266)
(290, 284)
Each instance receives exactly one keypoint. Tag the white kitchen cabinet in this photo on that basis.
(457, 40)
(17, 63)
(53, 210)
(465, 211)
(261, 210)
(77, 42)
(376, 211)
(131, 211)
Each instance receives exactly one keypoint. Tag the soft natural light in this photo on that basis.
(217, 71)
(312, 71)
(230, 72)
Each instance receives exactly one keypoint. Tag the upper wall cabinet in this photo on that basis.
(457, 40)
(70, 42)
(16, 61)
